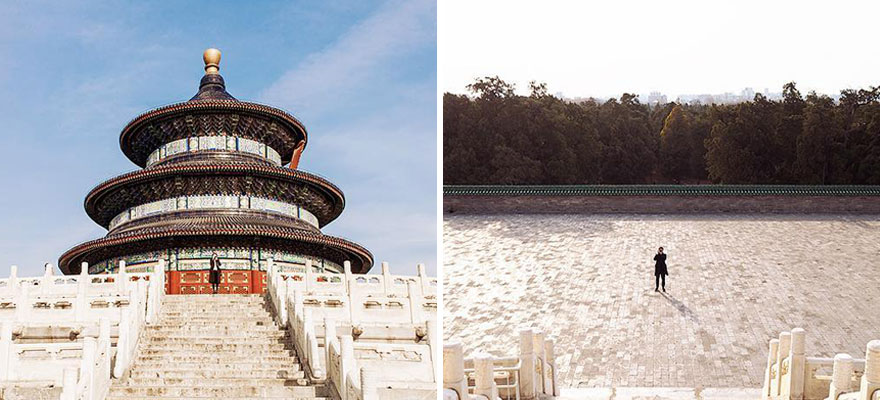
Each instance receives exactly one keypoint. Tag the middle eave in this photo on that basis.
(316, 194)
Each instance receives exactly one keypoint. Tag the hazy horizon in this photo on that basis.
(677, 48)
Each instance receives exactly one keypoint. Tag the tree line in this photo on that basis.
(498, 137)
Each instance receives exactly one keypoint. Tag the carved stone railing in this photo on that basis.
(360, 331)
(90, 307)
(789, 374)
(531, 375)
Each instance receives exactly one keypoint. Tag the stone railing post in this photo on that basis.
(540, 360)
(23, 305)
(453, 369)
(423, 278)
(280, 287)
(527, 378)
(769, 375)
(484, 376)
(122, 278)
(82, 290)
(550, 388)
(841, 376)
(5, 351)
(415, 302)
(782, 354)
(434, 345)
(46, 282)
(329, 337)
(387, 279)
(369, 384)
(87, 366)
(310, 277)
(871, 378)
(68, 384)
(346, 349)
(797, 363)
(122, 342)
(346, 266)
(13, 280)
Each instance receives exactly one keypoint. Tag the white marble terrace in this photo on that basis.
(369, 336)
(73, 332)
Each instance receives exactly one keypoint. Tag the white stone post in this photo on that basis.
(423, 278)
(82, 289)
(46, 282)
(122, 342)
(346, 348)
(415, 302)
(310, 277)
(841, 376)
(122, 278)
(23, 305)
(386, 278)
(329, 338)
(298, 306)
(346, 267)
(797, 363)
(453, 369)
(13, 280)
(280, 286)
(484, 376)
(87, 366)
(369, 384)
(5, 351)
(550, 388)
(540, 359)
(68, 384)
(768, 373)
(871, 378)
(312, 341)
(141, 294)
(527, 381)
(782, 354)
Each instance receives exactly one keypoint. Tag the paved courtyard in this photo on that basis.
(735, 283)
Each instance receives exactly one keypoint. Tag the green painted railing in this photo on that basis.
(661, 190)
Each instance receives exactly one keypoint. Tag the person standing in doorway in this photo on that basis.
(660, 270)
(214, 274)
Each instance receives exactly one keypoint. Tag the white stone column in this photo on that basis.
(329, 338)
(527, 378)
(23, 305)
(123, 341)
(13, 280)
(387, 279)
(784, 349)
(797, 363)
(346, 269)
(280, 288)
(423, 278)
(871, 378)
(87, 365)
(484, 376)
(415, 303)
(122, 278)
(453, 369)
(5, 351)
(310, 277)
(47, 282)
(434, 345)
(551, 388)
(540, 376)
(841, 376)
(769, 378)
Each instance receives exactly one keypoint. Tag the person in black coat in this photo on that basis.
(660, 270)
(214, 273)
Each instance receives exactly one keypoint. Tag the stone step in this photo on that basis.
(216, 313)
(294, 372)
(177, 328)
(214, 308)
(162, 340)
(214, 358)
(216, 382)
(228, 352)
(147, 366)
(215, 321)
(217, 392)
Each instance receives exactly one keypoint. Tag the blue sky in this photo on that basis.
(361, 75)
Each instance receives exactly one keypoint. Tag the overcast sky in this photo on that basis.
(360, 75)
(605, 48)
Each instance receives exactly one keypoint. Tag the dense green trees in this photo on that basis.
(498, 137)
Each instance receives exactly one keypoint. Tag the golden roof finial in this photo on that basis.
(212, 61)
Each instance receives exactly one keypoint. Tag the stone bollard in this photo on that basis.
(841, 377)
(871, 378)
(769, 376)
(453, 369)
(329, 338)
(797, 363)
(87, 365)
(541, 362)
(414, 293)
(527, 378)
(484, 376)
(387, 280)
(346, 269)
(13, 280)
(5, 351)
(781, 355)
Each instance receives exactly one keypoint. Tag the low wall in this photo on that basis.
(661, 199)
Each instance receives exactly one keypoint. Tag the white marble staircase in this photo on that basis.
(215, 347)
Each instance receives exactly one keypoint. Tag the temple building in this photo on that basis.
(220, 176)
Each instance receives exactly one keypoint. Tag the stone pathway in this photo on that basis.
(736, 282)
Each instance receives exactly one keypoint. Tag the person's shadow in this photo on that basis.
(681, 307)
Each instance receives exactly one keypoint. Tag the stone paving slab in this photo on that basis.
(736, 281)
(651, 393)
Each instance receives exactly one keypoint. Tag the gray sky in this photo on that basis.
(605, 48)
